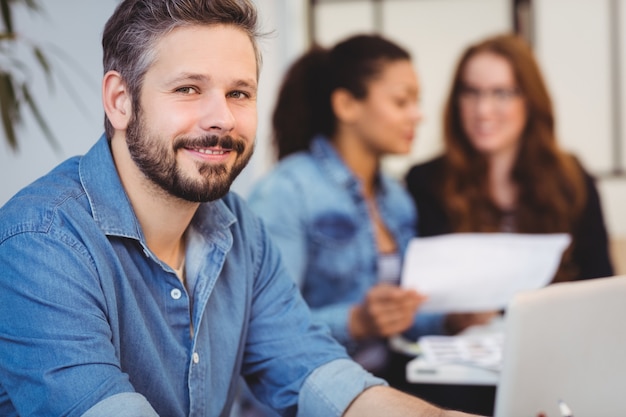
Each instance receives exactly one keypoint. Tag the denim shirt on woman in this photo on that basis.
(314, 209)
(94, 324)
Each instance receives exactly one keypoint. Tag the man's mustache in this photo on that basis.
(225, 142)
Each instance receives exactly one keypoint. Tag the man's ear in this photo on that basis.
(116, 100)
(345, 106)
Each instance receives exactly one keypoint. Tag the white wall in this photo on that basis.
(574, 48)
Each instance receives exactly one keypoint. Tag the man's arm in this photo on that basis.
(55, 343)
(389, 402)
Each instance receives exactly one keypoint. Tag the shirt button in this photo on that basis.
(195, 357)
(176, 293)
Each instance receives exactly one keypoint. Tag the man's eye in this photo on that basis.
(238, 94)
(186, 90)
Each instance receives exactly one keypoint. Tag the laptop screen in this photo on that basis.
(565, 342)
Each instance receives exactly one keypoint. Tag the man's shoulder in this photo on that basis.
(34, 207)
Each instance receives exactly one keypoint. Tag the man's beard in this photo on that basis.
(158, 162)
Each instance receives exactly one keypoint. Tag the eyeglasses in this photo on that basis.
(499, 96)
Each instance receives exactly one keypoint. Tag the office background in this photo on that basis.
(581, 46)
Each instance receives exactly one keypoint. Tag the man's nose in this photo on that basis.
(217, 114)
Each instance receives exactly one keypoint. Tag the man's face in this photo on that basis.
(194, 130)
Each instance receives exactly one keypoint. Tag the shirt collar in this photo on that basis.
(111, 207)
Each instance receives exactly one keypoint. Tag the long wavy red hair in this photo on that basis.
(550, 181)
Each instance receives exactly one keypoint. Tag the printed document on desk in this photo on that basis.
(464, 360)
(465, 272)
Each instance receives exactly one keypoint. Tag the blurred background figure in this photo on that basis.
(341, 224)
(502, 169)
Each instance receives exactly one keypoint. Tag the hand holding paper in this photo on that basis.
(385, 311)
(465, 272)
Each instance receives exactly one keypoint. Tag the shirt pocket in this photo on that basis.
(338, 249)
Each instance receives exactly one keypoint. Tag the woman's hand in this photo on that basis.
(386, 311)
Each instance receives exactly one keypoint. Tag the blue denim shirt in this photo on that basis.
(314, 208)
(94, 324)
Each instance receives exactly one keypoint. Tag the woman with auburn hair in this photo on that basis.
(502, 169)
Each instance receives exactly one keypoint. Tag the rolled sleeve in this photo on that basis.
(126, 404)
(332, 387)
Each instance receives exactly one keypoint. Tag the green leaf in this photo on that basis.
(45, 65)
(6, 36)
(40, 119)
(32, 4)
(41, 58)
(7, 88)
(7, 17)
(8, 109)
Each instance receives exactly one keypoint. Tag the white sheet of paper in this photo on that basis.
(465, 272)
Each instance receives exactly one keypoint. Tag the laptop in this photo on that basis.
(565, 342)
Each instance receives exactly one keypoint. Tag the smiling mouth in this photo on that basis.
(211, 145)
(211, 151)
